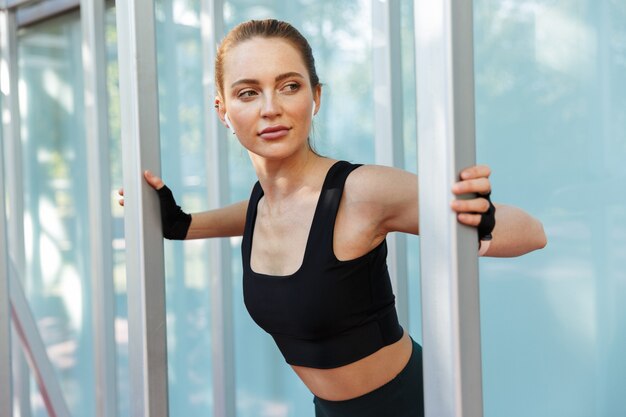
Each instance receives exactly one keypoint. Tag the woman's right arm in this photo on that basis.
(223, 222)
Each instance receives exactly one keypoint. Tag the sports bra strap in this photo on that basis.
(328, 206)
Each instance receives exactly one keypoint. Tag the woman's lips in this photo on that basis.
(274, 132)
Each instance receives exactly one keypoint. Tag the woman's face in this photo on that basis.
(268, 97)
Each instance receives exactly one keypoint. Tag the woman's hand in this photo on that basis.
(152, 180)
(474, 180)
(174, 221)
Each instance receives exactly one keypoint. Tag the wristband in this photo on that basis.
(483, 246)
(487, 220)
(174, 221)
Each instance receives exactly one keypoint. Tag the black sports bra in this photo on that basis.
(328, 313)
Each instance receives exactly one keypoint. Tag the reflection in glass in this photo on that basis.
(551, 110)
(55, 199)
(182, 109)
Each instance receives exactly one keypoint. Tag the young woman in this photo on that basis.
(314, 252)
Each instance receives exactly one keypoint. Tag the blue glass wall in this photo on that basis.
(551, 122)
(56, 279)
(182, 110)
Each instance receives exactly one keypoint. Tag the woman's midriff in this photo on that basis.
(360, 377)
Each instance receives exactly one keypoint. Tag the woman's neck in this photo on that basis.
(283, 179)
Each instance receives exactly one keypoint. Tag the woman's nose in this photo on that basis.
(270, 106)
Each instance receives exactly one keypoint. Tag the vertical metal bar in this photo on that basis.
(6, 377)
(11, 135)
(142, 226)
(223, 361)
(100, 224)
(13, 163)
(35, 349)
(450, 298)
(388, 131)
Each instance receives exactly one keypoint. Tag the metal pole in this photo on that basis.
(142, 226)
(35, 349)
(222, 337)
(388, 131)
(450, 297)
(13, 163)
(6, 377)
(100, 224)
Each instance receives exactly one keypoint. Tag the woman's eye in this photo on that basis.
(291, 87)
(246, 94)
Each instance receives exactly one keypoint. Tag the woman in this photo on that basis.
(314, 231)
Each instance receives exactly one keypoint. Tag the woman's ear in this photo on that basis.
(220, 110)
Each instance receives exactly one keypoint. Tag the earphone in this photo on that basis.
(313, 111)
(230, 126)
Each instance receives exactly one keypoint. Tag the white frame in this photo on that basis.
(222, 322)
(449, 262)
(13, 164)
(92, 15)
(388, 129)
(142, 226)
(6, 376)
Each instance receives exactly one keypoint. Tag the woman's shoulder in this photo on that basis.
(378, 182)
(372, 195)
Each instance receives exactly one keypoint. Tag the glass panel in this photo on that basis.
(36, 397)
(340, 35)
(551, 122)
(117, 213)
(182, 109)
(55, 191)
(409, 107)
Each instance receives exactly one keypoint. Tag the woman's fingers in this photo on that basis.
(154, 181)
(474, 180)
(474, 205)
(476, 171)
(469, 219)
(121, 193)
(478, 185)
(470, 211)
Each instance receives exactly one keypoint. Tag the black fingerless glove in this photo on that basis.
(487, 220)
(174, 221)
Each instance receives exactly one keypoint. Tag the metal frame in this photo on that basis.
(222, 338)
(144, 239)
(12, 4)
(6, 376)
(388, 128)
(29, 14)
(449, 263)
(35, 349)
(13, 164)
(100, 223)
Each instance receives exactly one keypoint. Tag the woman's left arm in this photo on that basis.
(389, 196)
(516, 232)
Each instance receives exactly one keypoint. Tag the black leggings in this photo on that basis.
(403, 396)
